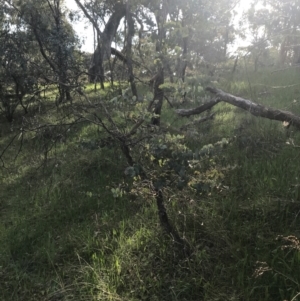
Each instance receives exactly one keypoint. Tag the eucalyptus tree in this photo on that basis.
(96, 12)
(160, 36)
(193, 32)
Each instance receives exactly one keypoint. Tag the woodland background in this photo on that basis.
(162, 166)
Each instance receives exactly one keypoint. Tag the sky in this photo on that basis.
(85, 31)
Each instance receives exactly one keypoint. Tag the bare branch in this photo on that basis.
(81, 6)
(198, 110)
(256, 109)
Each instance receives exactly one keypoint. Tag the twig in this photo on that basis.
(295, 297)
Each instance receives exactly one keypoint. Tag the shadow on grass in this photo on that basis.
(49, 215)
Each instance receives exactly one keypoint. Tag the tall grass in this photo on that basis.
(65, 236)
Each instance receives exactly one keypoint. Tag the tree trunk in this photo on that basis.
(104, 39)
(158, 96)
(235, 64)
(161, 18)
(183, 60)
(103, 50)
(130, 34)
(182, 64)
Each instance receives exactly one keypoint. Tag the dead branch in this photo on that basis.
(198, 110)
(256, 109)
(245, 104)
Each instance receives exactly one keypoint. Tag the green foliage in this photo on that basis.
(85, 224)
(78, 213)
(18, 82)
(177, 163)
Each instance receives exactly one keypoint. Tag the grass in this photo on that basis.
(65, 236)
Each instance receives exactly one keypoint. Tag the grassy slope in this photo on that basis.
(63, 236)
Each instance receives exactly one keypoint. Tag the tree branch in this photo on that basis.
(81, 6)
(256, 109)
(198, 110)
(45, 56)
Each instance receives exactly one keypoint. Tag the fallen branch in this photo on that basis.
(198, 110)
(253, 108)
(256, 109)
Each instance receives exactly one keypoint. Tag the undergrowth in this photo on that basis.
(65, 234)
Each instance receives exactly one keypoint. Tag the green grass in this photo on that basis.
(64, 236)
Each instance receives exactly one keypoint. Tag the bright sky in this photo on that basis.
(85, 31)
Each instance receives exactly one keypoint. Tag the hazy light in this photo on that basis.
(85, 31)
